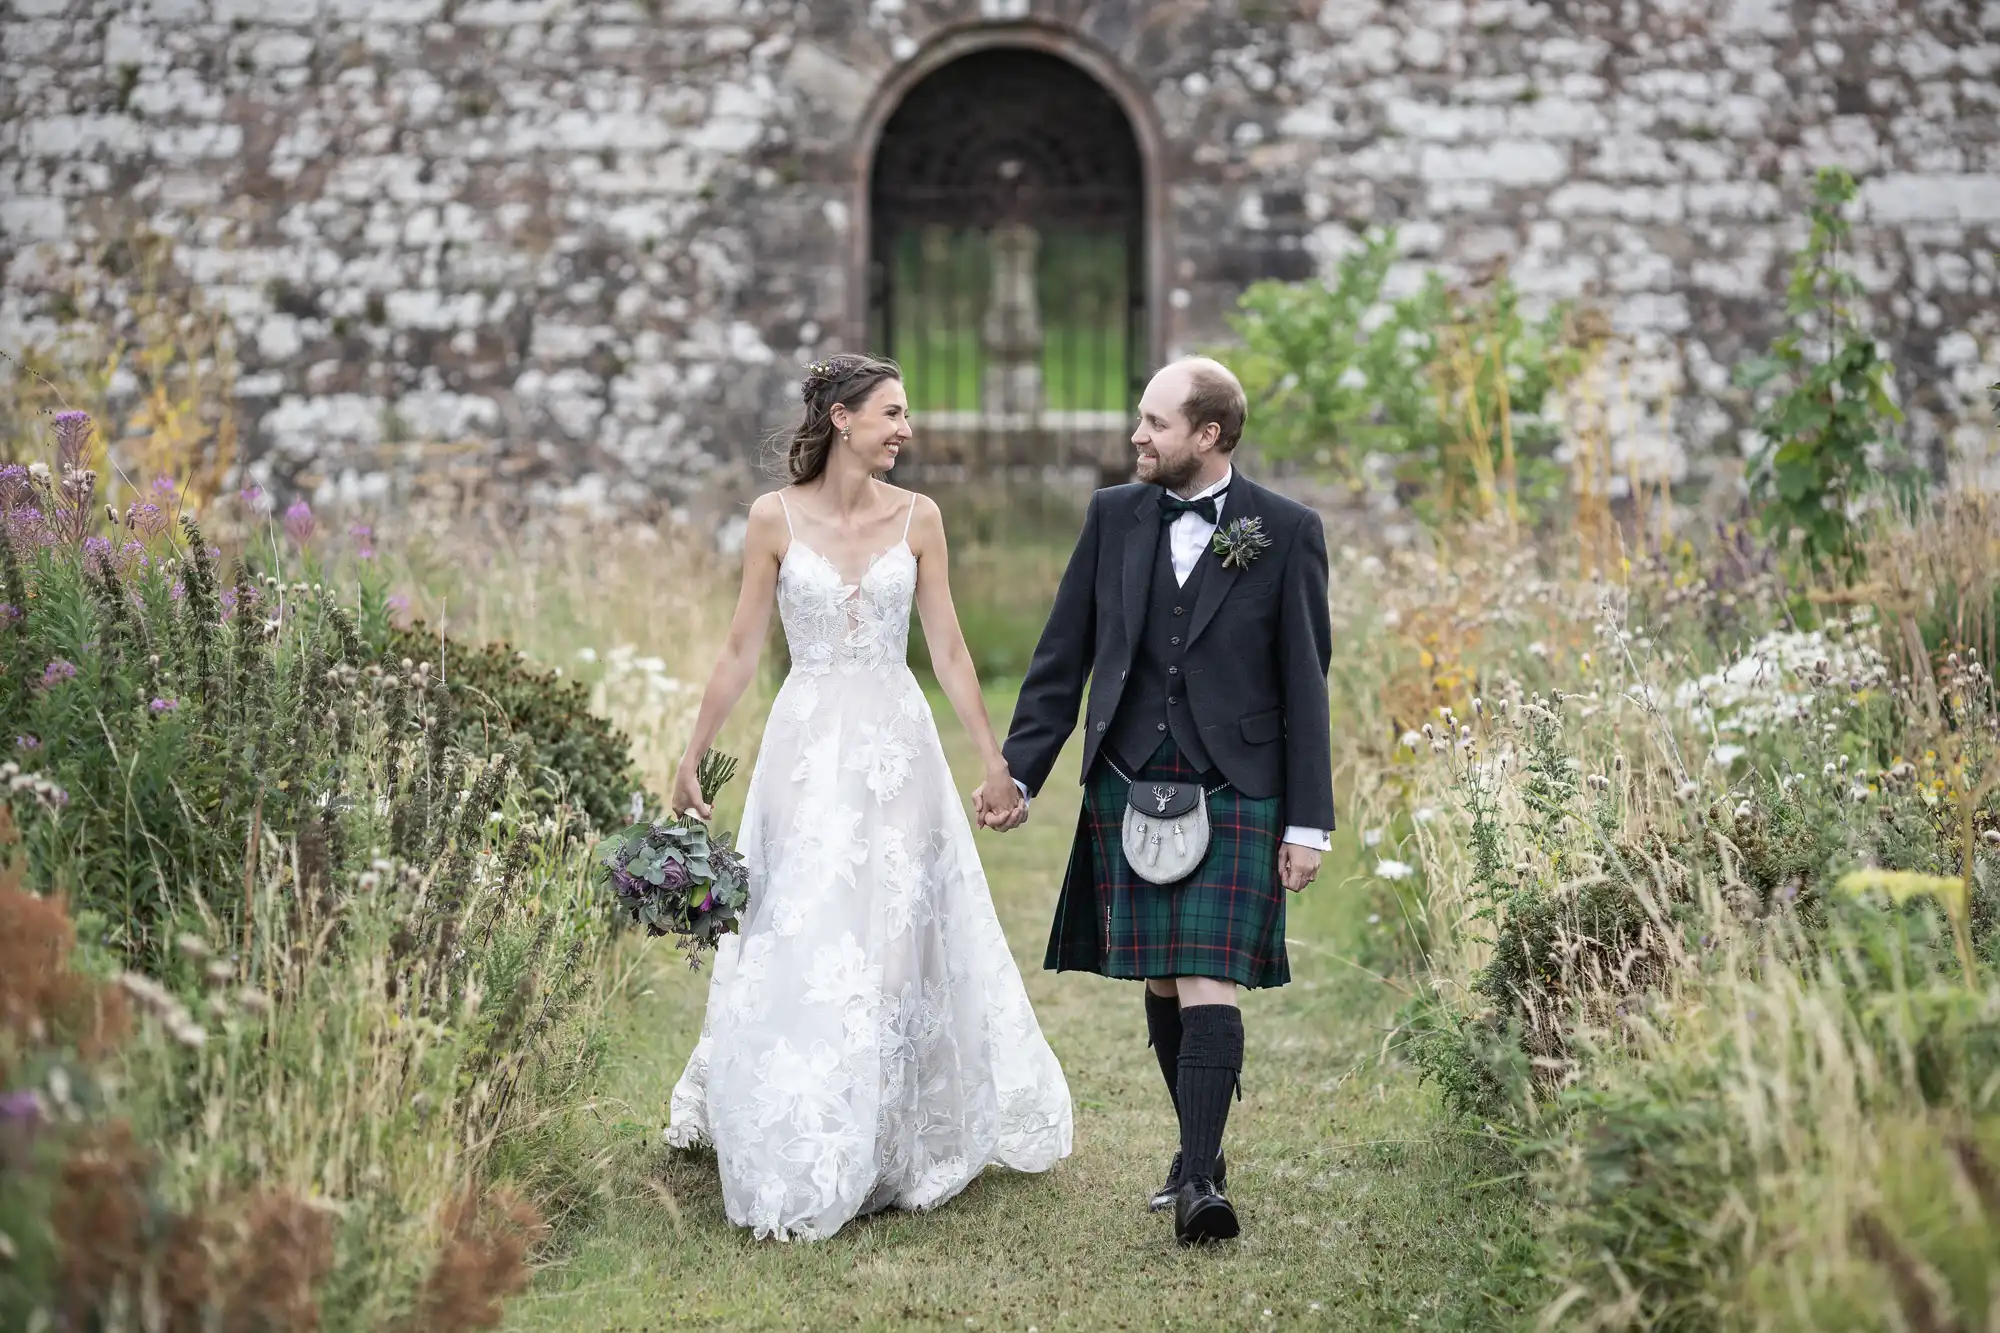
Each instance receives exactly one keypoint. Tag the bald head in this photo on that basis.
(1213, 395)
(1190, 417)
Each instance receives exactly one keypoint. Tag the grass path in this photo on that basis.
(1358, 1213)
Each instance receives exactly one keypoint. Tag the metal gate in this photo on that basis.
(1007, 266)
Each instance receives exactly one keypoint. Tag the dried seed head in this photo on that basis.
(194, 946)
(220, 970)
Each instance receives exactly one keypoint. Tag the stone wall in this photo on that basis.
(596, 238)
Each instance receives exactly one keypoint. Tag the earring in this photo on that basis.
(846, 435)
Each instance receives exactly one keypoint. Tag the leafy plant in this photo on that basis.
(1832, 424)
(500, 695)
(1447, 384)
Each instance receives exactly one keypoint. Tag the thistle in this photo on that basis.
(1241, 542)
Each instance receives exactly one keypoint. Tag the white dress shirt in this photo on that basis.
(1188, 538)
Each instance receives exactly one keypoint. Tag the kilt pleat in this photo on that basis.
(1225, 920)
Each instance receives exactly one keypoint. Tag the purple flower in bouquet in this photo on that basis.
(56, 672)
(674, 877)
(299, 522)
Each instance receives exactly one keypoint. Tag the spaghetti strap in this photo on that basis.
(788, 513)
(910, 518)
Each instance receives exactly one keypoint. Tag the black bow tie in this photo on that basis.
(1208, 506)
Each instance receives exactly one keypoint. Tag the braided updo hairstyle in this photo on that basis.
(847, 378)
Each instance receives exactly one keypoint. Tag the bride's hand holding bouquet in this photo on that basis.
(675, 877)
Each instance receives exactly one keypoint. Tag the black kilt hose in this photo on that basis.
(1225, 920)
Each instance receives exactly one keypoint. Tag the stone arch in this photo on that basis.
(1097, 87)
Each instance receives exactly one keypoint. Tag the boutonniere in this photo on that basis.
(1241, 542)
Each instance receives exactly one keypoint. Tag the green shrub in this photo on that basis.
(1449, 385)
(1829, 433)
(180, 720)
(501, 696)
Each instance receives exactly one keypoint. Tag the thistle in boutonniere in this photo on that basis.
(1241, 542)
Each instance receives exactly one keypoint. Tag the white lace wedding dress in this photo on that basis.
(868, 1043)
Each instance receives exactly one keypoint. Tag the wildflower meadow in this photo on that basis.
(1654, 979)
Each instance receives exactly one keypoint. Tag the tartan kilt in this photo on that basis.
(1225, 920)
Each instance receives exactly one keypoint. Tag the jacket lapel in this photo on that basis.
(1142, 546)
(1244, 502)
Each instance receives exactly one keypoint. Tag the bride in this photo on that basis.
(868, 1043)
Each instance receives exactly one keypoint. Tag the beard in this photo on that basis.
(1175, 476)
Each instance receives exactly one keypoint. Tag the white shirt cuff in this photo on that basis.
(1024, 791)
(1316, 838)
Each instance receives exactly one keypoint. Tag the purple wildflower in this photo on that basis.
(165, 487)
(299, 522)
(26, 527)
(56, 672)
(250, 494)
(178, 591)
(10, 612)
(164, 705)
(72, 439)
(148, 519)
(15, 485)
(22, 1108)
(27, 742)
(97, 547)
(365, 536)
(228, 600)
(131, 555)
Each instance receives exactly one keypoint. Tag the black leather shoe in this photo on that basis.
(1202, 1215)
(1164, 1199)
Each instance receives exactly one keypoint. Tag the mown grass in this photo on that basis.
(1359, 1213)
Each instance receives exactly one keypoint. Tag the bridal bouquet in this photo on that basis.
(677, 878)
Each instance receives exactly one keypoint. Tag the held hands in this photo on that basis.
(1297, 866)
(998, 802)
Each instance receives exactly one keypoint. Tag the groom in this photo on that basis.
(1195, 604)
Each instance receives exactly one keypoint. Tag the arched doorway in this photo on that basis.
(1007, 262)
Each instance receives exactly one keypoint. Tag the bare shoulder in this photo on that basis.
(926, 521)
(766, 528)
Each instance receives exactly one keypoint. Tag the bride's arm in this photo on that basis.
(951, 660)
(763, 547)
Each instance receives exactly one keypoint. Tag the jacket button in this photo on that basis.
(1100, 726)
(1173, 671)
(1161, 727)
(1179, 611)
(1172, 700)
(1175, 641)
